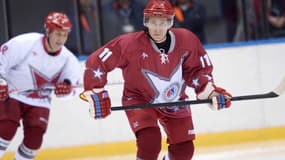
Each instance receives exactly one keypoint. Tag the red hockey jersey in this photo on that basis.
(150, 75)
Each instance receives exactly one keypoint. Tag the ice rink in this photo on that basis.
(273, 150)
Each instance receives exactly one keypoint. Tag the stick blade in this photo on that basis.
(280, 88)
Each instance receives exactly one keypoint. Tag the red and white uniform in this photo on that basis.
(151, 76)
(34, 68)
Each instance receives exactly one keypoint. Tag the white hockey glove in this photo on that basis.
(221, 99)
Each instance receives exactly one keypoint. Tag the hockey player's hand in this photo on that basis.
(221, 99)
(3, 90)
(63, 88)
(99, 102)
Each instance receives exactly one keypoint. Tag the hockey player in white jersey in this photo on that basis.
(32, 62)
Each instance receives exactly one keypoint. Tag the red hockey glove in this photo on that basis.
(221, 99)
(99, 103)
(3, 90)
(63, 88)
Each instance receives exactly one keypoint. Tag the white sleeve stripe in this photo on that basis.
(106, 56)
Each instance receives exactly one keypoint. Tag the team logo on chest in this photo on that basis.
(171, 92)
(41, 83)
(166, 88)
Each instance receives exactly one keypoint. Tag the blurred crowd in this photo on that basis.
(212, 21)
(98, 21)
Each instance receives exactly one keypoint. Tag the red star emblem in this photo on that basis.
(40, 81)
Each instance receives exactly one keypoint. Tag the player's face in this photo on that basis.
(57, 39)
(158, 27)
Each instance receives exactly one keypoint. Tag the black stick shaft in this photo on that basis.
(181, 103)
(256, 96)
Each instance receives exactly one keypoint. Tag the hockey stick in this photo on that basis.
(53, 87)
(38, 89)
(275, 93)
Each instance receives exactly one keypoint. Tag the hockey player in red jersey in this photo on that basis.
(157, 65)
(31, 62)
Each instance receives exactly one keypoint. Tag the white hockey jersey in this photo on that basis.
(26, 65)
